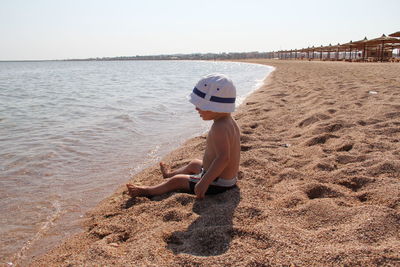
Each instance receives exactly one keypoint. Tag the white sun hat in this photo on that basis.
(214, 92)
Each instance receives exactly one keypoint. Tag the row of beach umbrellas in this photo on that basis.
(380, 45)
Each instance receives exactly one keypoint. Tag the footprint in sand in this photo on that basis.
(292, 201)
(321, 191)
(388, 168)
(184, 200)
(330, 127)
(173, 215)
(250, 103)
(245, 139)
(247, 132)
(346, 147)
(363, 197)
(392, 115)
(347, 159)
(255, 111)
(356, 183)
(369, 122)
(320, 139)
(245, 148)
(313, 119)
(361, 122)
(110, 232)
(325, 167)
(254, 125)
(252, 162)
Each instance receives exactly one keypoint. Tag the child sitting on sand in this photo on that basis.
(214, 97)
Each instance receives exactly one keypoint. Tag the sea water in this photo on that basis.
(72, 131)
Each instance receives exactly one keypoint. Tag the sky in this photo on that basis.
(72, 29)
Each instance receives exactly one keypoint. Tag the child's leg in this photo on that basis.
(178, 182)
(194, 167)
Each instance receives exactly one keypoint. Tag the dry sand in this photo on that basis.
(319, 184)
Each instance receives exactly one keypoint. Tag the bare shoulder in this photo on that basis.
(220, 125)
(225, 127)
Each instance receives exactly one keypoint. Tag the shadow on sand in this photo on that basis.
(211, 233)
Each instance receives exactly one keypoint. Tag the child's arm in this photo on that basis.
(220, 142)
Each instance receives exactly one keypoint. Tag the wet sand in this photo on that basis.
(319, 183)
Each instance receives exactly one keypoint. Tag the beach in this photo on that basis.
(319, 183)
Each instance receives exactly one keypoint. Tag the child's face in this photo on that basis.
(205, 114)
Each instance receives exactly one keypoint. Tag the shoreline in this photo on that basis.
(292, 152)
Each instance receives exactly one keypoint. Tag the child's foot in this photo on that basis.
(165, 170)
(135, 191)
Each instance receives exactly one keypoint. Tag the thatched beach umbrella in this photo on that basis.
(329, 47)
(309, 50)
(361, 45)
(320, 49)
(395, 34)
(295, 53)
(285, 54)
(337, 51)
(332, 49)
(357, 45)
(280, 54)
(391, 47)
(364, 43)
(346, 46)
(298, 53)
(302, 50)
(381, 42)
(312, 49)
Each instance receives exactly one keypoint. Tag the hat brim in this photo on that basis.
(207, 105)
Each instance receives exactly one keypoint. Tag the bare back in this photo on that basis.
(230, 129)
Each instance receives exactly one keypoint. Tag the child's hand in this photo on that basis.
(200, 190)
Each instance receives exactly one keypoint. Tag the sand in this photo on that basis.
(318, 183)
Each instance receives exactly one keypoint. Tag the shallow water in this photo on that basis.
(71, 132)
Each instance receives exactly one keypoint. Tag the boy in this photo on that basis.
(214, 97)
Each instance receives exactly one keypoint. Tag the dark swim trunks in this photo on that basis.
(220, 185)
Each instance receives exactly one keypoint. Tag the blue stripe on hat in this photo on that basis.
(199, 93)
(222, 99)
(214, 98)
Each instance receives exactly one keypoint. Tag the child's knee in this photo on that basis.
(196, 164)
